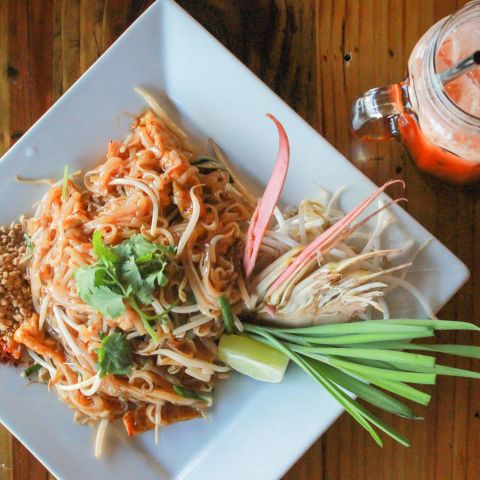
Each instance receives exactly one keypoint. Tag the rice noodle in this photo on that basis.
(190, 362)
(158, 418)
(35, 181)
(77, 386)
(191, 224)
(100, 438)
(141, 186)
(43, 311)
(195, 322)
(81, 356)
(155, 106)
(43, 363)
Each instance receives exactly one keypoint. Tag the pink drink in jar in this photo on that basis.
(464, 91)
(439, 125)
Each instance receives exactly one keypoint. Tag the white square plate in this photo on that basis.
(256, 430)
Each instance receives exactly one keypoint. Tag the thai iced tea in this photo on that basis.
(435, 142)
(438, 124)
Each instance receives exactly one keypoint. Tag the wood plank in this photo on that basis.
(40, 27)
(5, 71)
(470, 245)
(115, 20)
(6, 451)
(70, 42)
(25, 465)
(57, 60)
(29, 93)
(91, 32)
(18, 69)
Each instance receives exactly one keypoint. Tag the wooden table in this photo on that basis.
(318, 55)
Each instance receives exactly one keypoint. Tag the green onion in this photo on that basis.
(146, 321)
(65, 184)
(31, 369)
(363, 390)
(368, 326)
(469, 351)
(397, 375)
(368, 337)
(364, 357)
(443, 370)
(435, 324)
(401, 389)
(186, 393)
(369, 353)
(226, 313)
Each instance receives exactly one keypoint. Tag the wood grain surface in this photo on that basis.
(318, 55)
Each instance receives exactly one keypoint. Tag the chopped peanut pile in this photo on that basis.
(15, 298)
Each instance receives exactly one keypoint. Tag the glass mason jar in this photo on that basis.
(439, 125)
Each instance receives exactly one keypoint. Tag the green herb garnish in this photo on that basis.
(226, 313)
(65, 183)
(187, 393)
(115, 355)
(27, 240)
(31, 369)
(128, 273)
(364, 357)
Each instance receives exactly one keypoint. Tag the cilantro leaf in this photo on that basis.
(89, 277)
(130, 274)
(156, 278)
(93, 290)
(147, 257)
(141, 247)
(144, 294)
(85, 278)
(122, 250)
(101, 250)
(106, 301)
(115, 355)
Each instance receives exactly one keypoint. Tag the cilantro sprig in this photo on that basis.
(114, 355)
(125, 274)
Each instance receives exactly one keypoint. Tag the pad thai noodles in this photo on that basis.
(137, 271)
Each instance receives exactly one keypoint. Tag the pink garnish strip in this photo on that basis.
(266, 205)
(326, 240)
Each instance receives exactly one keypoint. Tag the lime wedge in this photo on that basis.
(252, 358)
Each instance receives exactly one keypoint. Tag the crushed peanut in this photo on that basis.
(15, 296)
